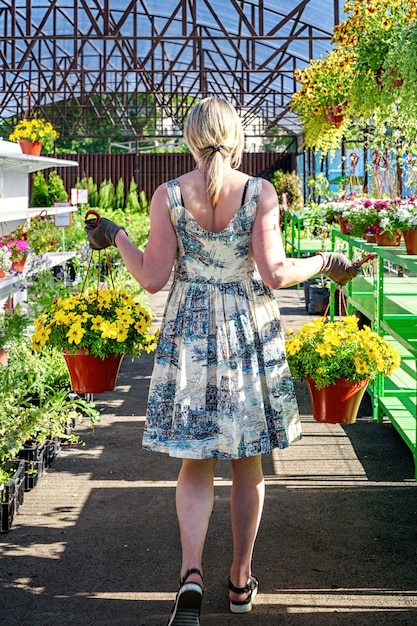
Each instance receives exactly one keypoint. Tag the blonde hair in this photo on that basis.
(213, 131)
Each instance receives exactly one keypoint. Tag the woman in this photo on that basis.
(221, 387)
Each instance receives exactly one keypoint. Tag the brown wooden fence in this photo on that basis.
(150, 170)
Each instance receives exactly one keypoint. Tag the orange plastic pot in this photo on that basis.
(338, 403)
(383, 239)
(30, 147)
(90, 374)
(410, 239)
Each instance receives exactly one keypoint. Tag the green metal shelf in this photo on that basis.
(387, 296)
(295, 244)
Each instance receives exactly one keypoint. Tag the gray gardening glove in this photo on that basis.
(338, 267)
(102, 235)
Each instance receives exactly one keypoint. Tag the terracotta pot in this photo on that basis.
(410, 239)
(19, 266)
(371, 237)
(90, 374)
(2, 273)
(383, 239)
(30, 147)
(343, 225)
(3, 357)
(337, 403)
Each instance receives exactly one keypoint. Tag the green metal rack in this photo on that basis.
(298, 241)
(386, 293)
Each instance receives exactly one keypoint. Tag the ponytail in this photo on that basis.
(213, 132)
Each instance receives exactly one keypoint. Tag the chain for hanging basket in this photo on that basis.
(97, 215)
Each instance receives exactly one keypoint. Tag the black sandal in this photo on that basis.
(187, 605)
(251, 588)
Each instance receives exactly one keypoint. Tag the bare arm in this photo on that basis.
(152, 268)
(276, 270)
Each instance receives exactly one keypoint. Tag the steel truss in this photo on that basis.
(100, 68)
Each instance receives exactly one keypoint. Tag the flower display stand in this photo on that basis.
(387, 297)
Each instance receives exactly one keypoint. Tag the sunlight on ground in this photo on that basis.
(304, 600)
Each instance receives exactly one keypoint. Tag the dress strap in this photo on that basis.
(255, 188)
(174, 193)
(244, 191)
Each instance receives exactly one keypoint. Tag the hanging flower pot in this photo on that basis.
(30, 147)
(385, 239)
(335, 114)
(338, 403)
(410, 239)
(94, 329)
(90, 374)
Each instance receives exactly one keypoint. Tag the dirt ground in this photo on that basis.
(96, 542)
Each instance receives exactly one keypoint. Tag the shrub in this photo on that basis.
(289, 183)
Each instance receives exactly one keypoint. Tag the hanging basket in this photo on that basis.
(90, 374)
(335, 114)
(338, 403)
(33, 148)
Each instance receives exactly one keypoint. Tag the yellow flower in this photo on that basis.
(108, 330)
(324, 349)
(96, 322)
(75, 333)
(103, 322)
(122, 333)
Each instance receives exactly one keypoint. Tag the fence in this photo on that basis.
(150, 170)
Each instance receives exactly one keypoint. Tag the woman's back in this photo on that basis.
(193, 190)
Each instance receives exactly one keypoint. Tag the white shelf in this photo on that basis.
(24, 214)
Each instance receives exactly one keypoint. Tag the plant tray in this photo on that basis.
(52, 449)
(34, 458)
(12, 495)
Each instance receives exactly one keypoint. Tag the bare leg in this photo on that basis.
(247, 501)
(194, 500)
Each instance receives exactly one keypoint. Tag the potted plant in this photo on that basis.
(338, 359)
(381, 36)
(325, 93)
(359, 213)
(95, 330)
(36, 132)
(16, 243)
(13, 324)
(5, 260)
(43, 236)
(404, 217)
(388, 231)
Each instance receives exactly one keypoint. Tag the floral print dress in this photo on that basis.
(221, 386)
